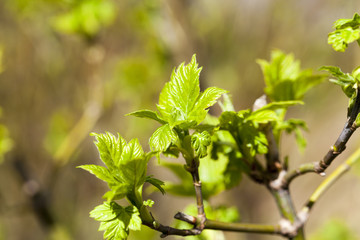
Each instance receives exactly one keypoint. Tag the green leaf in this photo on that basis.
(116, 221)
(206, 100)
(110, 149)
(149, 203)
(100, 172)
(134, 172)
(344, 80)
(156, 183)
(105, 212)
(147, 114)
(293, 125)
(132, 150)
(180, 101)
(118, 191)
(340, 39)
(284, 79)
(200, 143)
(346, 31)
(181, 93)
(226, 104)
(162, 138)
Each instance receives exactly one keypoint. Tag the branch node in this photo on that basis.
(287, 228)
(279, 182)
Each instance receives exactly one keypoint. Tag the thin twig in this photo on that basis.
(213, 225)
(335, 150)
(326, 184)
(199, 198)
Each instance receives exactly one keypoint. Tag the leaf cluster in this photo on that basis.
(221, 149)
(346, 31)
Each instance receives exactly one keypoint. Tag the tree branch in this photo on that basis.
(213, 225)
(303, 215)
(335, 150)
(194, 171)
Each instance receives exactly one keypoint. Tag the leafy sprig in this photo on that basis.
(346, 31)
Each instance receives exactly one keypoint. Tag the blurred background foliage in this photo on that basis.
(70, 67)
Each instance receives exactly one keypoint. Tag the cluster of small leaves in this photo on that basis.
(182, 107)
(349, 83)
(222, 148)
(346, 31)
(284, 79)
(125, 174)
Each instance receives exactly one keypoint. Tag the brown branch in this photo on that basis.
(334, 151)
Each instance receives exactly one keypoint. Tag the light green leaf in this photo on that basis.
(226, 104)
(284, 79)
(100, 172)
(134, 172)
(200, 143)
(105, 212)
(149, 203)
(181, 93)
(206, 100)
(162, 138)
(263, 116)
(180, 101)
(345, 80)
(116, 221)
(340, 39)
(118, 191)
(110, 149)
(147, 114)
(132, 150)
(346, 31)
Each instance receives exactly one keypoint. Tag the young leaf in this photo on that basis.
(132, 150)
(117, 192)
(226, 104)
(156, 183)
(200, 142)
(162, 138)
(346, 31)
(134, 172)
(284, 79)
(100, 172)
(147, 114)
(110, 148)
(180, 101)
(344, 80)
(116, 221)
(206, 99)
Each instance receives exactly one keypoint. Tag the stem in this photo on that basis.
(335, 150)
(212, 225)
(199, 198)
(243, 227)
(327, 183)
(302, 169)
(288, 212)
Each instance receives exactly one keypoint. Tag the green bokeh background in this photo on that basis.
(73, 67)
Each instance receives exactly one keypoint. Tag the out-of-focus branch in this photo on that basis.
(93, 109)
(38, 198)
